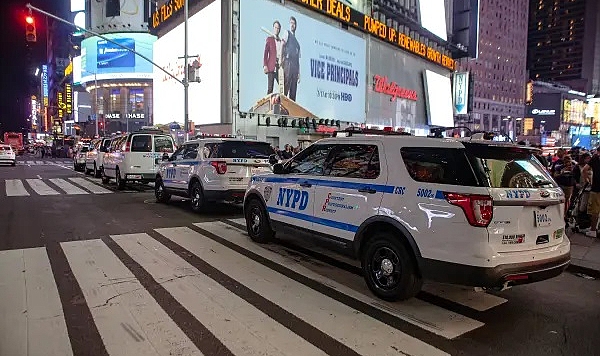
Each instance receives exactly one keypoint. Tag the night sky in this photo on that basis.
(18, 60)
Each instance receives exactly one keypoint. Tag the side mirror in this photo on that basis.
(273, 160)
(278, 168)
(165, 157)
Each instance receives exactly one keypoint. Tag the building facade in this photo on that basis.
(499, 72)
(564, 43)
(294, 72)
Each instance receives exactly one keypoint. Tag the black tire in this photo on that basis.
(389, 268)
(257, 222)
(120, 182)
(105, 179)
(159, 192)
(14, 163)
(97, 172)
(86, 170)
(196, 197)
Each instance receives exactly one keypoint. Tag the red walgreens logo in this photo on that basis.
(381, 85)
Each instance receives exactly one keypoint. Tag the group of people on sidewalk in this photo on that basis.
(574, 170)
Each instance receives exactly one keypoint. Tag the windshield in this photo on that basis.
(240, 149)
(508, 167)
(84, 149)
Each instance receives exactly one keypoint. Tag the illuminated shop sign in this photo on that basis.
(461, 92)
(351, 17)
(45, 84)
(126, 116)
(543, 112)
(69, 98)
(61, 104)
(382, 85)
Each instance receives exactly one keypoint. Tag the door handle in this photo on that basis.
(367, 190)
(305, 185)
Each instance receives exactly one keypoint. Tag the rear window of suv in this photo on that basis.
(439, 165)
(240, 149)
(141, 143)
(507, 167)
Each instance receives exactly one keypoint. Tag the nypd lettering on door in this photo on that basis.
(292, 198)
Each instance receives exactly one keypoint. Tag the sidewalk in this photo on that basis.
(585, 254)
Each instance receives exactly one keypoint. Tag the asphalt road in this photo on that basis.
(65, 215)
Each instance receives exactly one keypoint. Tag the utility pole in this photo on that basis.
(186, 83)
(96, 105)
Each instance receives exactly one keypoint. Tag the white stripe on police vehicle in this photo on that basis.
(289, 197)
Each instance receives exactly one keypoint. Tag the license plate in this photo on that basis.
(135, 176)
(257, 170)
(541, 219)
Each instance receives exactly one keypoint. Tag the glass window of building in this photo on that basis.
(136, 101)
(114, 104)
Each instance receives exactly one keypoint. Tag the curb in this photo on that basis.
(585, 270)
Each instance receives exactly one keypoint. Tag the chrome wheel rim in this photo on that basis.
(159, 190)
(196, 197)
(385, 268)
(255, 220)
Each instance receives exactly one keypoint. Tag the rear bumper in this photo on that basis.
(7, 160)
(140, 177)
(236, 195)
(513, 273)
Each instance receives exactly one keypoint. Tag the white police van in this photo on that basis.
(476, 213)
(95, 156)
(212, 169)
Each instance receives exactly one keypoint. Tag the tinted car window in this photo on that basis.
(310, 161)
(439, 165)
(84, 149)
(508, 167)
(240, 149)
(353, 161)
(141, 143)
(163, 144)
(191, 151)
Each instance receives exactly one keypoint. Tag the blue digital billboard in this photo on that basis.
(102, 59)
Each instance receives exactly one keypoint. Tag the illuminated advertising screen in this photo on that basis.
(204, 97)
(439, 99)
(433, 17)
(45, 85)
(292, 64)
(581, 136)
(102, 59)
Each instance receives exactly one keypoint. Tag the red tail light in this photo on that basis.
(479, 209)
(126, 146)
(221, 167)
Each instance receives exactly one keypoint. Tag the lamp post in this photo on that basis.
(186, 82)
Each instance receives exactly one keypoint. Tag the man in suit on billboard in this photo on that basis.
(291, 61)
(272, 56)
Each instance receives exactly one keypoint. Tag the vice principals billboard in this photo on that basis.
(291, 64)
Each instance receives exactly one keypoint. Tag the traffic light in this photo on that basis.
(30, 31)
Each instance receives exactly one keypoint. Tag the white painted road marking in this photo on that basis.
(92, 187)
(368, 336)
(40, 187)
(15, 188)
(129, 319)
(69, 188)
(32, 321)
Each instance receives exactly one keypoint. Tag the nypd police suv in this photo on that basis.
(212, 169)
(470, 212)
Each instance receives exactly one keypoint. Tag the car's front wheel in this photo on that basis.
(159, 192)
(389, 269)
(257, 222)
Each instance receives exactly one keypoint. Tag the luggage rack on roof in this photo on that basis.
(353, 130)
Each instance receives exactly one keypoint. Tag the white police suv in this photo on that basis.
(212, 169)
(476, 213)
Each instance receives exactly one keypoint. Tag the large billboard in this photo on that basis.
(205, 47)
(102, 59)
(292, 64)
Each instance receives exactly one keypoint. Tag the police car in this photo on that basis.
(469, 212)
(212, 169)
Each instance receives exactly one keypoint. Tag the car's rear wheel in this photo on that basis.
(389, 269)
(118, 180)
(257, 222)
(14, 163)
(97, 172)
(159, 192)
(197, 197)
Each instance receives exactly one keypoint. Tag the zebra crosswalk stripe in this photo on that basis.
(122, 309)
(40, 187)
(92, 187)
(32, 320)
(69, 188)
(425, 315)
(237, 323)
(369, 335)
(15, 188)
